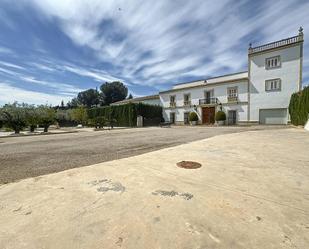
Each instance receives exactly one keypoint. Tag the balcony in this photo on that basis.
(277, 44)
(232, 99)
(172, 104)
(187, 103)
(209, 101)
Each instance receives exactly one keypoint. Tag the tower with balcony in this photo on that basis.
(274, 73)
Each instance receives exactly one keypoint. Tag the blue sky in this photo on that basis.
(52, 49)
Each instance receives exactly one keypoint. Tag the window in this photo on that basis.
(232, 94)
(186, 99)
(172, 101)
(273, 85)
(273, 62)
(209, 97)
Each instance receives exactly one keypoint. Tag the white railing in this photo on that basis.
(276, 44)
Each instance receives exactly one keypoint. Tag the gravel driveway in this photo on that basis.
(23, 157)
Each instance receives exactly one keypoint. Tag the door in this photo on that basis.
(186, 118)
(208, 115)
(172, 117)
(273, 116)
(232, 117)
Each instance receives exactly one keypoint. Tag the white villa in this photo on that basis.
(259, 95)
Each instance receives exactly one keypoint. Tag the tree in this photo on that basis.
(73, 103)
(88, 98)
(14, 117)
(79, 114)
(47, 116)
(32, 117)
(113, 92)
(130, 96)
(299, 107)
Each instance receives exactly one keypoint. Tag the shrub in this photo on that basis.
(126, 115)
(7, 129)
(299, 107)
(193, 116)
(14, 117)
(98, 122)
(220, 116)
(47, 116)
(63, 118)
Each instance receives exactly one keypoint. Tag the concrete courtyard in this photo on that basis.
(252, 191)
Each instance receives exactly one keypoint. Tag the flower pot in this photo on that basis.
(193, 122)
(220, 122)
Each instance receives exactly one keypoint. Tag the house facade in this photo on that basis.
(259, 95)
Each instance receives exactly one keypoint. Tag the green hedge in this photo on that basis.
(125, 115)
(193, 116)
(220, 116)
(299, 107)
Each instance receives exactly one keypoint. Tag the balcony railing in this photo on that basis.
(208, 101)
(232, 99)
(187, 103)
(172, 104)
(276, 44)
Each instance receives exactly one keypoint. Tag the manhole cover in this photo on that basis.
(189, 165)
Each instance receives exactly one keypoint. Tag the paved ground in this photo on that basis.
(22, 157)
(251, 192)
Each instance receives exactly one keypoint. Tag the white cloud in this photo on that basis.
(68, 89)
(8, 71)
(95, 74)
(178, 36)
(4, 50)
(157, 42)
(31, 97)
(42, 67)
(7, 64)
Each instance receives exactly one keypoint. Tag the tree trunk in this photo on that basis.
(46, 128)
(32, 127)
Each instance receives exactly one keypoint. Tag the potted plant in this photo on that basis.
(193, 118)
(220, 117)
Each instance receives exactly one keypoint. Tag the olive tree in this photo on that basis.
(79, 114)
(14, 116)
(46, 116)
(32, 117)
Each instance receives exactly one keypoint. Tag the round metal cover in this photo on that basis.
(189, 165)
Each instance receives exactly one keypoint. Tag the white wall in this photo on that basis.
(197, 93)
(289, 73)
